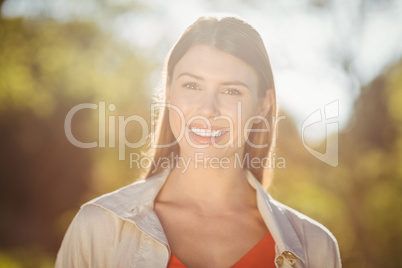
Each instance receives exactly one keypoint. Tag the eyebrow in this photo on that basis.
(191, 75)
(228, 83)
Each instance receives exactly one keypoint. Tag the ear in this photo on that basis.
(265, 104)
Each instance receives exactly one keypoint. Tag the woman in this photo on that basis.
(209, 209)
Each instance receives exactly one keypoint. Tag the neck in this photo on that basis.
(208, 185)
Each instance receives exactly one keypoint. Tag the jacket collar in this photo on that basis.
(278, 223)
(135, 203)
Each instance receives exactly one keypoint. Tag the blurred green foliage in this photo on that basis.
(359, 200)
(25, 258)
(46, 68)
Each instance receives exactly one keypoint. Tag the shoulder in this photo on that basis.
(122, 203)
(304, 223)
(105, 224)
(126, 198)
(88, 233)
(320, 246)
(90, 223)
(91, 216)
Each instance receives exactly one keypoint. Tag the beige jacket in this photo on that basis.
(121, 229)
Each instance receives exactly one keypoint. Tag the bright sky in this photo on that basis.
(307, 45)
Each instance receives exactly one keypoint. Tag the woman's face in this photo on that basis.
(213, 94)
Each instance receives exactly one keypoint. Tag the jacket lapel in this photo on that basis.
(279, 225)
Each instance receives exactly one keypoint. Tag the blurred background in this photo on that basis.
(57, 54)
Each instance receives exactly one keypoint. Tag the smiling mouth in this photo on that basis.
(207, 132)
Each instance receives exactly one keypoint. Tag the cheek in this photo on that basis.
(178, 113)
(240, 115)
(248, 117)
(180, 101)
(244, 111)
(176, 122)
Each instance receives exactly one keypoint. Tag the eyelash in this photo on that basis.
(229, 91)
(192, 86)
(232, 91)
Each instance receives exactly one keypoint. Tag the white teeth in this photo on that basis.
(206, 132)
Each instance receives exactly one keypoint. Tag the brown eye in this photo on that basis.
(232, 91)
(190, 85)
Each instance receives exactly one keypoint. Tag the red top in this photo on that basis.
(261, 255)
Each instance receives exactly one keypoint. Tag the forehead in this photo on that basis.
(211, 63)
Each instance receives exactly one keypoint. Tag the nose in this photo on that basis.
(208, 104)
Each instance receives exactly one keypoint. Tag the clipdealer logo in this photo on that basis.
(329, 115)
(107, 124)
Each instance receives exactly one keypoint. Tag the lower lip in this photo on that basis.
(206, 140)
